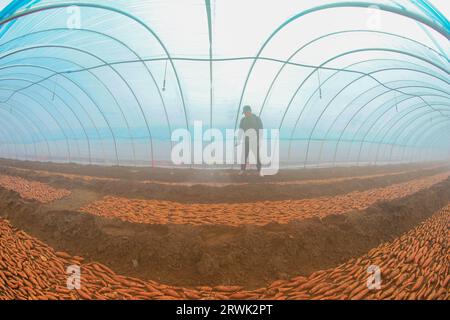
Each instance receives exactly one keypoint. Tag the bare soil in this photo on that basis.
(250, 256)
(129, 181)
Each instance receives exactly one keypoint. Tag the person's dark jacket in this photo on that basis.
(251, 122)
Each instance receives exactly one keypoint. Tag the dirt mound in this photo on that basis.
(253, 190)
(220, 176)
(251, 213)
(410, 267)
(32, 190)
(249, 256)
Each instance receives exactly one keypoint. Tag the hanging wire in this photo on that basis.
(54, 88)
(320, 85)
(396, 101)
(165, 77)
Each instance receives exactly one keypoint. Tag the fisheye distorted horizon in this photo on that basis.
(108, 82)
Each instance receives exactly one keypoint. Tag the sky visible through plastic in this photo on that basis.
(345, 82)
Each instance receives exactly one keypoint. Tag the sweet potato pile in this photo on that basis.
(414, 266)
(254, 213)
(32, 190)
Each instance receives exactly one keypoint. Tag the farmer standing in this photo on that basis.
(251, 122)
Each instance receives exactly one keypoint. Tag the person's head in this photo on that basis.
(247, 111)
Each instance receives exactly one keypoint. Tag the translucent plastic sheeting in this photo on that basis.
(346, 82)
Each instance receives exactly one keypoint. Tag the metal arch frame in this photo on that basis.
(433, 137)
(61, 88)
(14, 140)
(6, 146)
(393, 122)
(403, 130)
(84, 91)
(420, 149)
(409, 122)
(24, 116)
(390, 121)
(336, 148)
(301, 65)
(24, 132)
(427, 128)
(397, 133)
(324, 82)
(219, 59)
(51, 116)
(211, 86)
(123, 44)
(99, 59)
(8, 143)
(343, 89)
(64, 103)
(367, 103)
(381, 142)
(364, 5)
(115, 10)
(333, 34)
(310, 98)
(31, 134)
(423, 138)
(422, 124)
(364, 75)
(32, 97)
(415, 142)
(381, 7)
(375, 122)
(381, 85)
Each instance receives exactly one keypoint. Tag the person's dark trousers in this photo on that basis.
(247, 152)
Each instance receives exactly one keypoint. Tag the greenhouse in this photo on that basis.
(224, 150)
(345, 82)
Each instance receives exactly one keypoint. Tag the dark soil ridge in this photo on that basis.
(210, 176)
(227, 194)
(249, 256)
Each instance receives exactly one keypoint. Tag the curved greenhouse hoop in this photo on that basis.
(115, 10)
(393, 102)
(367, 103)
(401, 130)
(381, 7)
(330, 35)
(51, 116)
(25, 116)
(123, 44)
(83, 128)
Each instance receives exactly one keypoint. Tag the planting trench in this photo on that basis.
(294, 185)
(413, 266)
(247, 255)
(252, 213)
(261, 259)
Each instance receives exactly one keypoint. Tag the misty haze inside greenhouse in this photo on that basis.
(103, 82)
